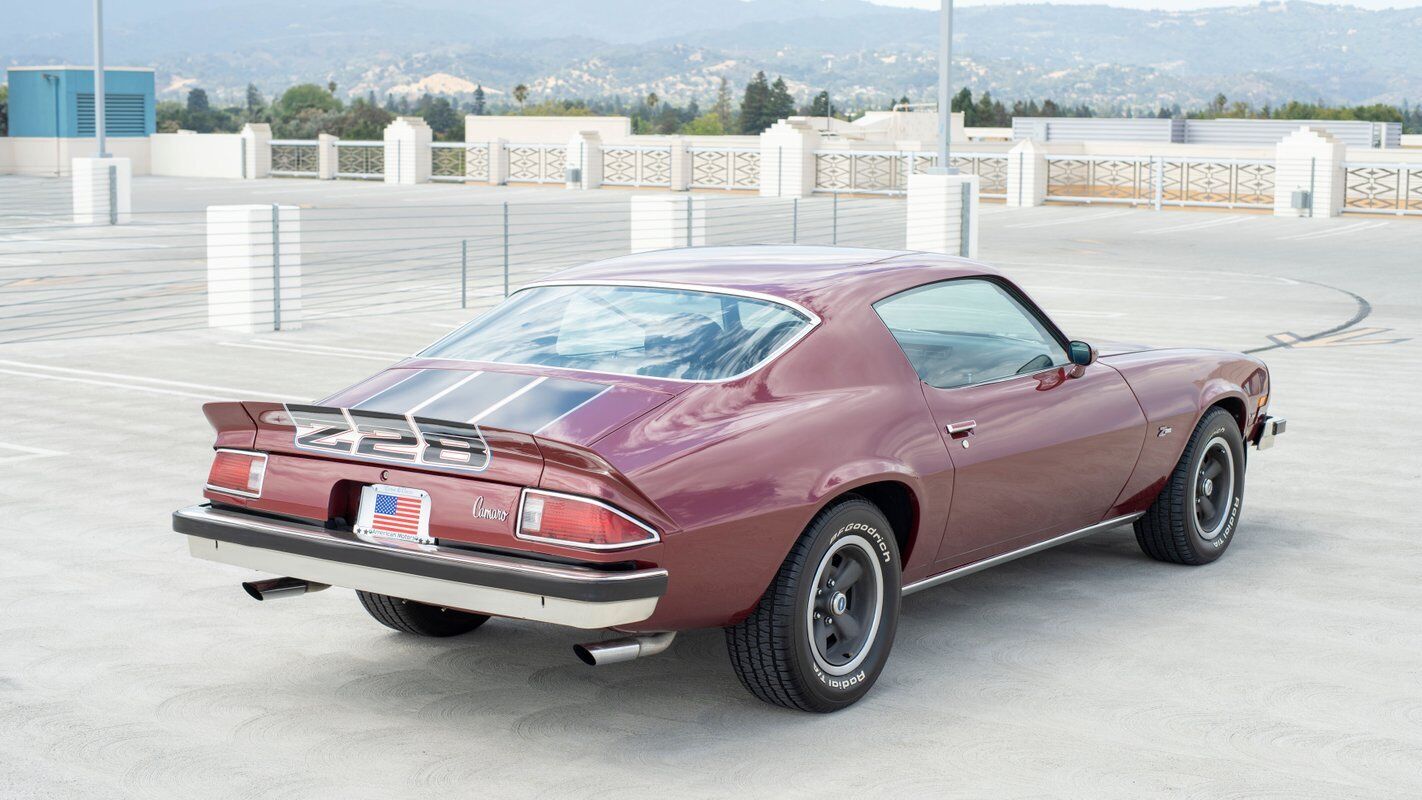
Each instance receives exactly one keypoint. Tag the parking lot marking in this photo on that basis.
(280, 348)
(131, 381)
(1345, 230)
(1195, 226)
(1348, 338)
(25, 453)
(1075, 219)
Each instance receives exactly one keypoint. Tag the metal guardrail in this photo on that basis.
(887, 171)
(364, 160)
(296, 158)
(459, 161)
(1380, 188)
(728, 168)
(59, 280)
(636, 165)
(537, 163)
(1161, 181)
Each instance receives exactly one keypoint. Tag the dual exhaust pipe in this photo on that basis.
(609, 651)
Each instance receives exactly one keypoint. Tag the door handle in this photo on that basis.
(961, 428)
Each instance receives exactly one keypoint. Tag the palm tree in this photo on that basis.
(520, 94)
(652, 100)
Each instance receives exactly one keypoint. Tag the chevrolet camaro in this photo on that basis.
(776, 441)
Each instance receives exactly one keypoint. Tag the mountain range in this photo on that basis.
(1105, 56)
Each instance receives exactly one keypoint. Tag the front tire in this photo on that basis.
(822, 631)
(1195, 517)
(407, 616)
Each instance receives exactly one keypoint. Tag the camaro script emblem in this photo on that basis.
(483, 512)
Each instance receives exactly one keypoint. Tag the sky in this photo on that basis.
(1165, 5)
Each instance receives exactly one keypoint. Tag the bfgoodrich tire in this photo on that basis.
(407, 616)
(1195, 517)
(822, 632)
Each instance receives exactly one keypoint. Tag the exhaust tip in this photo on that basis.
(273, 588)
(584, 655)
(250, 587)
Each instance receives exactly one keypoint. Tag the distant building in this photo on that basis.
(58, 101)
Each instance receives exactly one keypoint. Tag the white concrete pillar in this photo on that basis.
(498, 162)
(787, 158)
(408, 155)
(326, 156)
(943, 214)
(102, 190)
(251, 250)
(680, 165)
(661, 221)
(1309, 160)
(585, 154)
(256, 150)
(1026, 175)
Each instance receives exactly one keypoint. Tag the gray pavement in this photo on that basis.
(1290, 668)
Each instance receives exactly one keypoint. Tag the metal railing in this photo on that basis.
(459, 161)
(1378, 188)
(1161, 181)
(296, 158)
(636, 165)
(727, 168)
(886, 171)
(364, 160)
(536, 163)
(59, 280)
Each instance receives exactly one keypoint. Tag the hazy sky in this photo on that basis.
(1168, 5)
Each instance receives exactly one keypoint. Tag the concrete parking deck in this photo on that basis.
(1290, 668)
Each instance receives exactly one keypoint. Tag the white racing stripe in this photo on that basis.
(135, 382)
(495, 407)
(443, 392)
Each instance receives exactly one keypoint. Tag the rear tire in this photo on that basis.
(1195, 517)
(407, 616)
(822, 631)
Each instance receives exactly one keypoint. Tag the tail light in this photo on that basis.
(578, 522)
(237, 472)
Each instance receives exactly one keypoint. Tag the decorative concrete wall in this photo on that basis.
(1309, 160)
(407, 151)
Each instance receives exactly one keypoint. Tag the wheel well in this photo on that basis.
(1234, 406)
(897, 503)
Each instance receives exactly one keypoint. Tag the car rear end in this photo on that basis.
(472, 517)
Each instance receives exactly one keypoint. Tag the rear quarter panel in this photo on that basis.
(741, 468)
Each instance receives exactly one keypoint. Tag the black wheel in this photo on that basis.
(1194, 518)
(821, 633)
(407, 616)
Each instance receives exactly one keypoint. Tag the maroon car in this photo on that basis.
(778, 441)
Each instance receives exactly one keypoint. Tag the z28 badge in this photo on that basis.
(393, 438)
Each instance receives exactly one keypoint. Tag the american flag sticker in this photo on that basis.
(395, 512)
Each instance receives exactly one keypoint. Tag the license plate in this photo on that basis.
(394, 512)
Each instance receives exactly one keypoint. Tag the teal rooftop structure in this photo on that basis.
(58, 101)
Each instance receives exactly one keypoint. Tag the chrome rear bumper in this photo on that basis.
(506, 586)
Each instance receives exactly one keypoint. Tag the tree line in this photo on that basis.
(305, 110)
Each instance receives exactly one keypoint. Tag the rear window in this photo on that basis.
(628, 330)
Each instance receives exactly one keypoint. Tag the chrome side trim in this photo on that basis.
(979, 566)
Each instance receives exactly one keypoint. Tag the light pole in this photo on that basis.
(945, 99)
(99, 76)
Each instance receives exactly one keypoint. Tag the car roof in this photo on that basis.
(814, 276)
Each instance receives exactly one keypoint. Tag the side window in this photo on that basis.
(968, 331)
